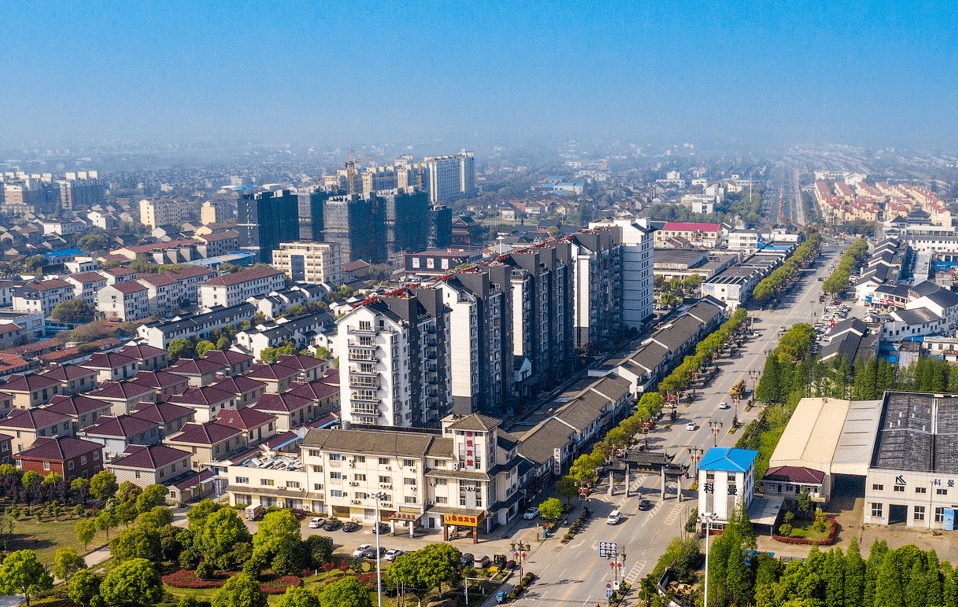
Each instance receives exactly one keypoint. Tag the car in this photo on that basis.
(645, 505)
(332, 524)
(317, 522)
(392, 554)
(531, 513)
(690, 426)
(483, 561)
(359, 552)
(381, 528)
(467, 559)
(723, 405)
(613, 518)
(371, 553)
(351, 526)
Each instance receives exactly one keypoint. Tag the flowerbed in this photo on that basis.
(271, 584)
(368, 578)
(802, 540)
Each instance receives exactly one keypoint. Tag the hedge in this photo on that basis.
(271, 584)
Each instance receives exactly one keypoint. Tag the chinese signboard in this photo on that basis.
(458, 519)
(607, 549)
(557, 462)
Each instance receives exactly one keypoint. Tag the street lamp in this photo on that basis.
(715, 427)
(519, 550)
(708, 518)
(379, 576)
(696, 453)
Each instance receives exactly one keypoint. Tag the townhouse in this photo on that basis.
(186, 326)
(70, 457)
(42, 296)
(206, 402)
(126, 301)
(24, 426)
(170, 417)
(86, 285)
(73, 379)
(233, 289)
(31, 391)
(118, 433)
(147, 357)
(164, 384)
(209, 443)
(82, 410)
(245, 389)
(123, 396)
(112, 366)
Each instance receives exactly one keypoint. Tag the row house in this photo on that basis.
(70, 457)
(170, 417)
(164, 384)
(276, 377)
(31, 391)
(199, 372)
(25, 426)
(245, 389)
(112, 366)
(82, 410)
(145, 465)
(187, 326)
(231, 362)
(257, 426)
(233, 289)
(42, 296)
(73, 379)
(208, 443)
(290, 410)
(299, 331)
(127, 301)
(325, 397)
(205, 402)
(86, 285)
(147, 357)
(123, 396)
(118, 433)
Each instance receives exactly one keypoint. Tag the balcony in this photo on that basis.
(354, 343)
(364, 381)
(362, 354)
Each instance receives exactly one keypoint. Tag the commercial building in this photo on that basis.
(726, 478)
(311, 262)
(266, 219)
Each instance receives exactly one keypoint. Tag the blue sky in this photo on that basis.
(871, 73)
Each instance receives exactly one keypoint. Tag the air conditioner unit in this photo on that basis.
(430, 503)
(389, 467)
(432, 484)
(413, 489)
(352, 465)
(354, 483)
(355, 501)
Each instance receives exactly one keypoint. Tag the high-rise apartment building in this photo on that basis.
(406, 214)
(394, 362)
(266, 219)
(440, 228)
(353, 221)
(164, 212)
(311, 213)
(216, 211)
(451, 177)
(597, 256)
(80, 190)
(480, 352)
(311, 262)
(29, 196)
(637, 249)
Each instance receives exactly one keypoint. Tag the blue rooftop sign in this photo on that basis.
(728, 460)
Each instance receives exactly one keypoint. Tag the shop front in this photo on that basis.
(462, 525)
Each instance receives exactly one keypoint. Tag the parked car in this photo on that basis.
(483, 561)
(613, 518)
(371, 553)
(467, 559)
(531, 513)
(332, 524)
(351, 526)
(381, 528)
(359, 552)
(645, 505)
(392, 554)
(317, 522)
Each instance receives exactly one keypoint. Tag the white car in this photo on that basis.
(530, 513)
(359, 552)
(392, 554)
(317, 522)
(614, 517)
(690, 426)
(723, 405)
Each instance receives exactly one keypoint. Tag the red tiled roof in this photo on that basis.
(58, 449)
(53, 283)
(162, 412)
(28, 383)
(158, 280)
(68, 372)
(190, 366)
(243, 276)
(148, 457)
(299, 362)
(227, 357)
(692, 227)
(123, 426)
(262, 371)
(87, 277)
(75, 405)
(244, 419)
(209, 433)
(32, 419)
(129, 286)
(140, 351)
(193, 479)
(120, 390)
(239, 384)
(159, 380)
(108, 361)
(314, 390)
(794, 474)
(205, 396)
(280, 402)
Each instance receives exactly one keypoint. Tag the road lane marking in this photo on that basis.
(635, 572)
(674, 514)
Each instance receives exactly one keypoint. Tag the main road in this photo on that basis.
(573, 574)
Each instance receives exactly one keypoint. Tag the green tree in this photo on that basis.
(22, 573)
(85, 531)
(347, 592)
(876, 558)
(180, 348)
(222, 530)
(769, 389)
(105, 521)
(134, 582)
(31, 478)
(324, 354)
(127, 491)
(126, 512)
(241, 590)
(103, 485)
(888, 586)
(96, 240)
(915, 583)
(934, 594)
(223, 343)
(84, 589)
(320, 550)
(854, 591)
(198, 514)
(268, 355)
(66, 562)
(298, 597)
(277, 530)
(152, 496)
(441, 565)
(738, 577)
(551, 509)
(156, 518)
(566, 488)
(134, 543)
(804, 501)
(202, 347)
(73, 311)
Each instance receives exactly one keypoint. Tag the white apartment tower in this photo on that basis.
(450, 177)
(394, 351)
(637, 249)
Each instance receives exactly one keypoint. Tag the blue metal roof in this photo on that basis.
(63, 253)
(728, 460)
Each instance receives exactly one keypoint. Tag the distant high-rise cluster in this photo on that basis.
(35, 193)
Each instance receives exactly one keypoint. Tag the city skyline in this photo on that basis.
(869, 73)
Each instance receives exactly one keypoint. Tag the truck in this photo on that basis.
(738, 390)
(254, 511)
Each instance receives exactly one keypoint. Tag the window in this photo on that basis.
(900, 488)
(70, 465)
(96, 455)
(919, 513)
(410, 499)
(360, 459)
(442, 500)
(242, 480)
(335, 493)
(385, 479)
(409, 481)
(383, 461)
(409, 462)
(921, 489)
(292, 484)
(46, 465)
(335, 457)
(83, 460)
(876, 510)
(266, 482)
(336, 475)
(315, 453)
(359, 477)
(941, 491)
(441, 482)
(939, 515)
(877, 487)
(317, 468)
(361, 496)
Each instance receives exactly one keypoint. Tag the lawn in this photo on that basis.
(46, 535)
(805, 529)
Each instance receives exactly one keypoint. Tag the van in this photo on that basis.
(254, 511)
(614, 517)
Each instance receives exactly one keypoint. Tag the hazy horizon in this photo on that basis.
(867, 73)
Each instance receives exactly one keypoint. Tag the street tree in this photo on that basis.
(566, 488)
(241, 590)
(134, 582)
(22, 573)
(347, 592)
(550, 509)
(66, 562)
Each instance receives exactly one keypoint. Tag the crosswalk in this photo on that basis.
(635, 572)
(676, 511)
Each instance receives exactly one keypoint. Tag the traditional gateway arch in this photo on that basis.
(651, 462)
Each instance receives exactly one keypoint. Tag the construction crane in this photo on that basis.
(351, 170)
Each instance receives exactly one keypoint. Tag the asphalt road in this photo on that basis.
(573, 574)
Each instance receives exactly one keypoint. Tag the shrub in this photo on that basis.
(785, 529)
(204, 571)
(567, 536)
